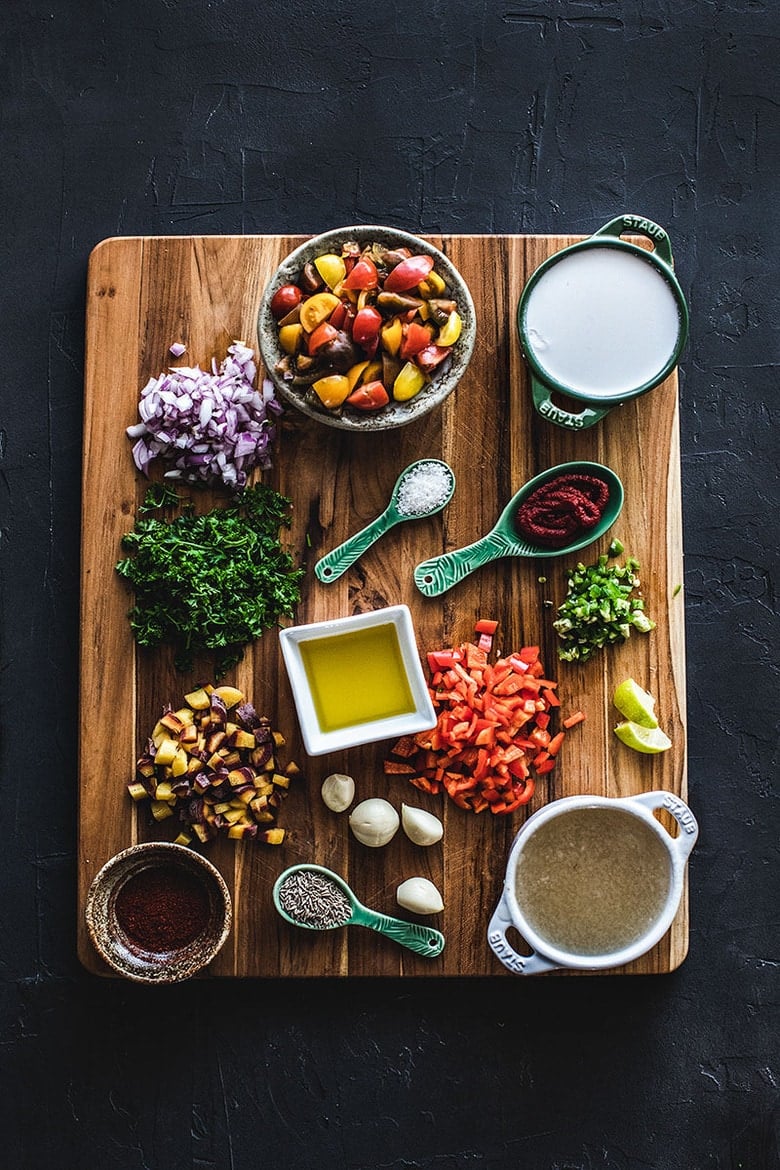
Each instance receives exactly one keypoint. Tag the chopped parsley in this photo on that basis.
(212, 582)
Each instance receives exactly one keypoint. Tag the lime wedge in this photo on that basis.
(643, 739)
(635, 704)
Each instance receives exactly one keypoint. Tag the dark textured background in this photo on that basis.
(142, 117)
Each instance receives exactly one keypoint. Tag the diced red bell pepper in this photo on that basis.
(485, 626)
(574, 719)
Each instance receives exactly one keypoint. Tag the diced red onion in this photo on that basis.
(207, 425)
(177, 349)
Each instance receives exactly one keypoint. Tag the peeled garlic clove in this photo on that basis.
(420, 896)
(374, 822)
(338, 791)
(421, 827)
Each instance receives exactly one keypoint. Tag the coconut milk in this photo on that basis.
(593, 880)
(602, 321)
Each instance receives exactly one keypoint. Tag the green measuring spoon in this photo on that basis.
(438, 574)
(424, 940)
(333, 564)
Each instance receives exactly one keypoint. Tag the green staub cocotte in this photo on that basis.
(600, 609)
(210, 582)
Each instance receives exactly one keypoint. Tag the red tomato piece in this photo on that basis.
(415, 338)
(371, 396)
(321, 336)
(432, 356)
(338, 317)
(408, 273)
(366, 326)
(284, 300)
(363, 275)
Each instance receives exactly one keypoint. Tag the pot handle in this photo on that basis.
(564, 418)
(532, 964)
(638, 225)
(689, 829)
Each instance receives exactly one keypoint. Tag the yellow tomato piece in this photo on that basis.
(354, 372)
(331, 268)
(391, 336)
(450, 331)
(317, 309)
(290, 336)
(432, 286)
(332, 390)
(409, 382)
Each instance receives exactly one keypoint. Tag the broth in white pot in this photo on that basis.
(593, 881)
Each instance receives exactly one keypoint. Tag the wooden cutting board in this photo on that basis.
(143, 294)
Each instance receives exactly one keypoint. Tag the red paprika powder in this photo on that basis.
(162, 908)
(562, 509)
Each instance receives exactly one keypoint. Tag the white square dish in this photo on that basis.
(357, 679)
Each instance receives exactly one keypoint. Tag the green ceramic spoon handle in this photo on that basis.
(422, 939)
(333, 564)
(439, 574)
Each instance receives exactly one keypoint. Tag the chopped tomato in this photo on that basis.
(369, 396)
(415, 338)
(363, 275)
(432, 356)
(323, 334)
(366, 326)
(408, 273)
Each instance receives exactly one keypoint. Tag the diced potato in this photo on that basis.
(271, 836)
(199, 700)
(179, 765)
(137, 791)
(230, 696)
(183, 839)
(166, 752)
(242, 739)
(172, 723)
(161, 809)
(186, 715)
(281, 781)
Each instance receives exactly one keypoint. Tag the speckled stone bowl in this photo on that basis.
(395, 414)
(119, 951)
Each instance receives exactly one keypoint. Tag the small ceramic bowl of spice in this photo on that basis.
(158, 912)
(366, 328)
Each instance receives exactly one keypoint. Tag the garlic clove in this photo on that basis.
(421, 827)
(338, 791)
(419, 895)
(374, 822)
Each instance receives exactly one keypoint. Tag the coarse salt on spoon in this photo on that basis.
(422, 489)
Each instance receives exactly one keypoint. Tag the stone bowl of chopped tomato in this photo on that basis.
(366, 328)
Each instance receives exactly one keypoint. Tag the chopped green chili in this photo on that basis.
(599, 609)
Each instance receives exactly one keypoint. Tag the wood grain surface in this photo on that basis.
(145, 293)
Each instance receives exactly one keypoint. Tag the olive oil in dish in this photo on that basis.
(592, 881)
(357, 677)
